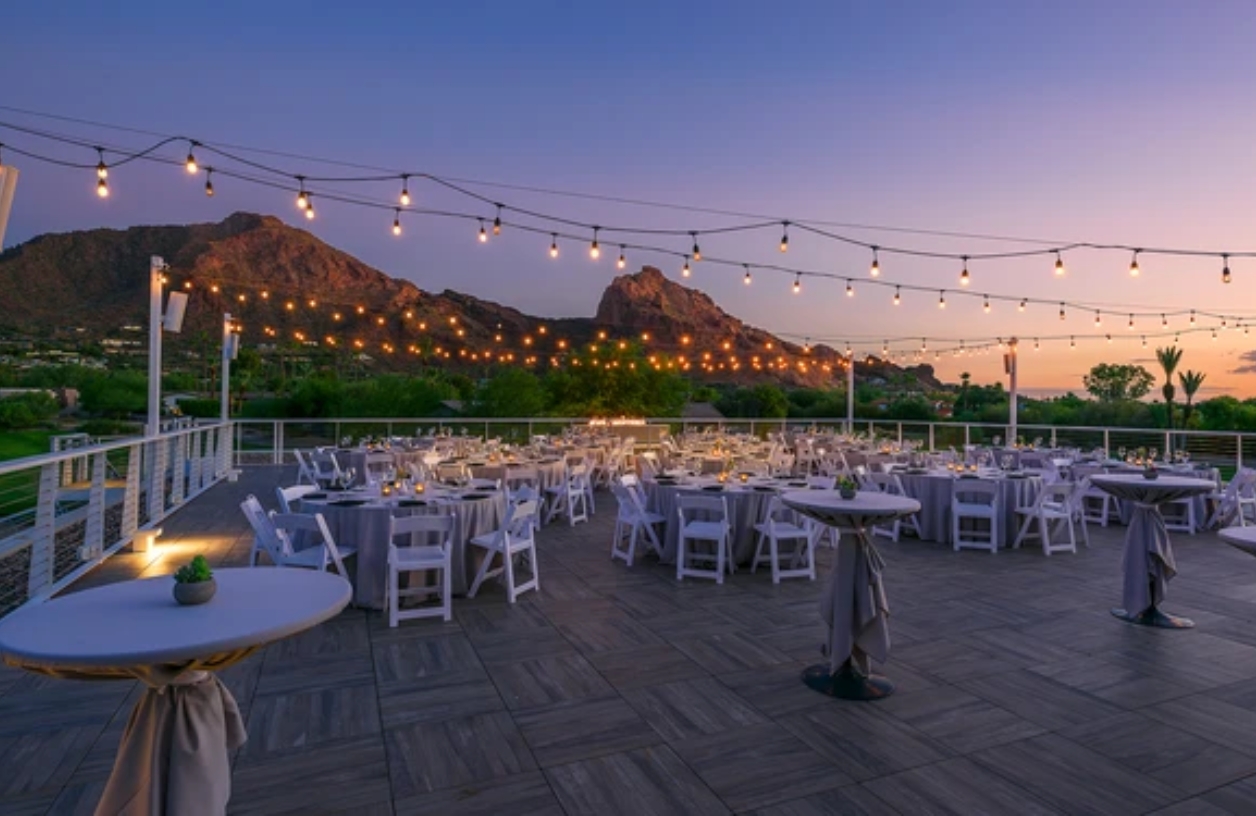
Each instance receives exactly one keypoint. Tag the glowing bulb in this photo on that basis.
(554, 246)
(102, 188)
(1225, 270)
(309, 209)
(1164, 321)
(898, 299)
(497, 221)
(303, 200)
(986, 306)
(102, 172)
(1098, 319)
(1109, 338)
(595, 251)
(1021, 308)
(685, 270)
(622, 262)
(190, 163)
(697, 253)
(1059, 264)
(209, 184)
(785, 236)
(942, 300)
(964, 279)
(1061, 311)
(1192, 317)
(1072, 343)
(746, 279)
(797, 284)
(405, 192)
(850, 290)
(483, 233)
(397, 223)
(1131, 324)
(1035, 344)
(875, 269)
(1134, 265)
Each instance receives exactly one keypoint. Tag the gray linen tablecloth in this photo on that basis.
(549, 472)
(746, 508)
(366, 527)
(1147, 562)
(934, 492)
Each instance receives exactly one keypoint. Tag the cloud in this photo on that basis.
(1248, 357)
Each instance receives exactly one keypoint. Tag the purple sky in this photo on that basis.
(1125, 122)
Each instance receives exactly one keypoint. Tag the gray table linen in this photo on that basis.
(934, 492)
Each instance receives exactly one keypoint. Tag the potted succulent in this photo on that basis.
(194, 582)
(1149, 466)
(847, 488)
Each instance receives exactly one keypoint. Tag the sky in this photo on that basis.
(1115, 122)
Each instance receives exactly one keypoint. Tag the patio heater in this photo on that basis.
(170, 319)
(230, 348)
(8, 187)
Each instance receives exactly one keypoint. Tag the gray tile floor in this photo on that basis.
(617, 690)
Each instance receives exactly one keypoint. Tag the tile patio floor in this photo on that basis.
(619, 691)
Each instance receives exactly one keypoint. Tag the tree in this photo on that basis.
(1111, 382)
(512, 392)
(1169, 358)
(1191, 381)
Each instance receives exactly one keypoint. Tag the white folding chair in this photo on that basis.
(631, 523)
(276, 532)
(305, 471)
(773, 531)
(569, 497)
(976, 501)
(890, 484)
(288, 495)
(516, 537)
(1053, 505)
(409, 557)
(703, 519)
(1098, 506)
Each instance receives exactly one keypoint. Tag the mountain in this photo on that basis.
(290, 289)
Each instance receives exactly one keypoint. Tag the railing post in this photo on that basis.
(44, 534)
(932, 446)
(131, 498)
(967, 436)
(176, 478)
(1168, 446)
(900, 434)
(1106, 440)
(277, 438)
(94, 535)
(1053, 439)
(156, 479)
(1238, 451)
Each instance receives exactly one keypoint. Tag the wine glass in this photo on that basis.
(1151, 454)
(1120, 453)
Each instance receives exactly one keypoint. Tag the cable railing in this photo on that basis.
(65, 512)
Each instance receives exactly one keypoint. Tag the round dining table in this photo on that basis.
(934, 489)
(747, 505)
(362, 521)
(854, 606)
(175, 755)
(1240, 538)
(1148, 563)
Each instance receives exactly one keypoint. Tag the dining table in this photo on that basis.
(935, 487)
(361, 519)
(550, 471)
(175, 754)
(1147, 562)
(853, 605)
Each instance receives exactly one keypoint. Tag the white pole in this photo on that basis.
(1013, 401)
(8, 188)
(155, 268)
(850, 393)
(226, 366)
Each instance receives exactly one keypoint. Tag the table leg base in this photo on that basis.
(846, 683)
(1154, 617)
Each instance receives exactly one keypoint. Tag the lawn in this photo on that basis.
(16, 444)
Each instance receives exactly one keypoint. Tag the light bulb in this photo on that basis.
(875, 269)
(397, 223)
(797, 284)
(102, 172)
(746, 279)
(303, 200)
(309, 209)
(1072, 343)
(1059, 264)
(685, 270)
(209, 183)
(1131, 324)
(986, 306)
(1192, 317)
(1035, 344)
(554, 246)
(1021, 308)
(942, 300)
(1061, 311)
(785, 236)
(850, 290)
(1098, 318)
(697, 253)
(964, 279)
(622, 262)
(1134, 270)
(595, 251)
(405, 191)
(190, 163)
(102, 188)
(1225, 270)
(898, 299)
(483, 233)
(1144, 341)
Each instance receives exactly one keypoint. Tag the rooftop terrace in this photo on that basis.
(616, 690)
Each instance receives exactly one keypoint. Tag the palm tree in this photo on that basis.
(1191, 381)
(1169, 359)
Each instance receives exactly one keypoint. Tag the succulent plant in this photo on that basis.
(194, 572)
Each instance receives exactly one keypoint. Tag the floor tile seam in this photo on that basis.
(1018, 785)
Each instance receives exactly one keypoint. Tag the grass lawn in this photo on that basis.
(16, 444)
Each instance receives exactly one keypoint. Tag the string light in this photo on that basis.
(942, 299)
(1225, 269)
(303, 200)
(1214, 335)
(1059, 264)
(1164, 321)
(1131, 325)
(985, 307)
(190, 163)
(1144, 341)
(102, 172)
(875, 270)
(622, 262)
(1192, 317)
(1134, 270)
(405, 191)
(1109, 338)
(595, 251)
(209, 182)
(785, 236)
(1061, 310)
(797, 284)
(1021, 308)
(1035, 344)
(1072, 343)
(1098, 318)
(483, 233)
(850, 290)
(554, 245)
(497, 221)
(746, 279)
(697, 253)
(685, 269)
(309, 207)
(964, 280)
(897, 297)
(397, 222)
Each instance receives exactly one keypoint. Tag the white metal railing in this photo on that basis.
(271, 441)
(63, 513)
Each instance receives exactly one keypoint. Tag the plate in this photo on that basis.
(764, 489)
(474, 496)
(411, 503)
(795, 484)
(314, 497)
(713, 488)
(348, 503)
